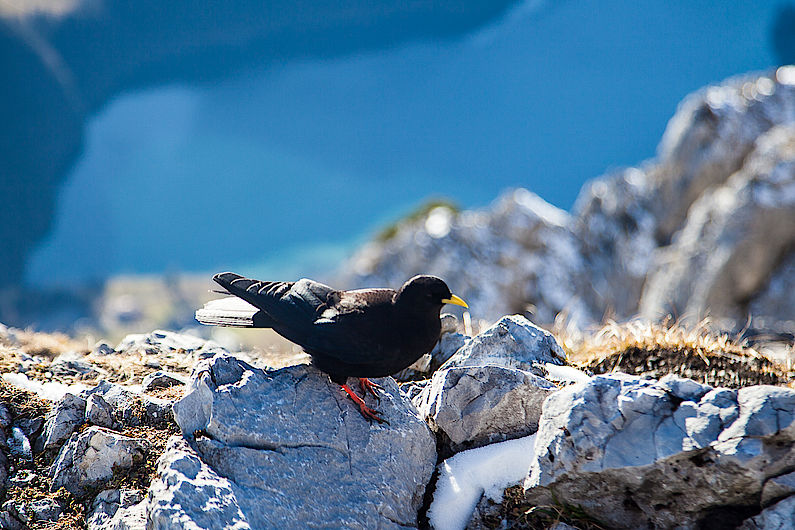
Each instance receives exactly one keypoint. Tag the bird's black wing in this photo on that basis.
(291, 305)
(347, 326)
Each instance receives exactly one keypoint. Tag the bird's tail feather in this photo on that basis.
(231, 311)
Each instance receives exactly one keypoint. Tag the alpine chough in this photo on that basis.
(361, 333)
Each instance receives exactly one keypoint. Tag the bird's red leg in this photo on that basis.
(366, 411)
(369, 386)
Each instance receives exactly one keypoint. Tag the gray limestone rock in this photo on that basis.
(9, 522)
(780, 516)
(615, 225)
(478, 405)
(62, 420)
(19, 445)
(517, 255)
(72, 364)
(161, 380)
(30, 426)
(5, 417)
(711, 135)
(637, 453)
(100, 413)
(513, 342)
(130, 408)
(159, 342)
(45, 510)
(118, 510)
(734, 238)
(777, 488)
(288, 448)
(91, 458)
(102, 348)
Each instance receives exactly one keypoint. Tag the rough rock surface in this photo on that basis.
(130, 408)
(64, 418)
(635, 453)
(91, 458)
(288, 445)
(513, 342)
(118, 510)
(159, 342)
(718, 198)
(522, 244)
(478, 405)
(734, 238)
(780, 516)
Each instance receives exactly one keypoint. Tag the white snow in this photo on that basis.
(50, 390)
(465, 477)
(567, 374)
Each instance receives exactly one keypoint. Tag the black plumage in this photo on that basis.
(360, 333)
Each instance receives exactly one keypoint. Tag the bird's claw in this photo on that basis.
(371, 414)
(367, 412)
(368, 387)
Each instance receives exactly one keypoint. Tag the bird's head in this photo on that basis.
(424, 293)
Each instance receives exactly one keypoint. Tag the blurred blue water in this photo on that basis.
(284, 170)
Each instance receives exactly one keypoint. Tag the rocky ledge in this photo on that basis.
(495, 431)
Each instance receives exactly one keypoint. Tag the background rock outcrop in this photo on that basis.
(704, 229)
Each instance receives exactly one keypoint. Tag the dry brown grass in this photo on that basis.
(655, 349)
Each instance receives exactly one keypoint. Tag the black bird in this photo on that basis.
(361, 333)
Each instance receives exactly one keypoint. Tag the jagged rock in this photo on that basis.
(615, 226)
(130, 408)
(5, 417)
(517, 253)
(72, 364)
(90, 459)
(160, 342)
(288, 445)
(9, 522)
(161, 380)
(734, 238)
(16, 512)
(45, 510)
(30, 426)
(775, 302)
(100, 413)
(711, 135)
(780, 516)
(118, 510)
(182, 488)
(19, 445)
(478, 405)
(62, 420)
(777, 488)
(635, 453)
(513, 342)
(102, 348)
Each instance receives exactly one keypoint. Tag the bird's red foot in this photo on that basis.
(366, 411)
(370, 387)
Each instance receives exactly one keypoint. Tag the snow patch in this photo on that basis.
(467, 476)
(567, 374)
(51, 390)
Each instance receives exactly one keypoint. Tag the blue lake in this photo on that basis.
(285, 169)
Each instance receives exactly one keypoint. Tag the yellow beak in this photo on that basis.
(455, 300)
